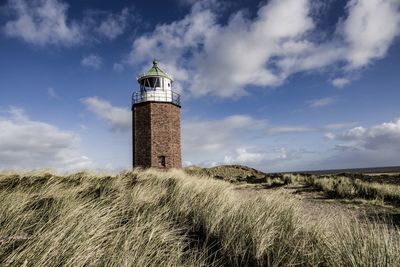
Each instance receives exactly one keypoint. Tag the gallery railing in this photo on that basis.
(157, 96)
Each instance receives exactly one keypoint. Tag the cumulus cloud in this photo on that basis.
(321, 102)
(340, 82)
(378, 145)
(119, 119)
(247, 140)
(208, 57)
(370, 29)
(215, 135)
(46, 22)
(114, 25)
(383, 136)
(92, 60)
(28, 144)
(237, 139)
(225, 58)
(253, 157)
(330, 136)
(42, 22)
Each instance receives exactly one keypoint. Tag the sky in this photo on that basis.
(279, 85)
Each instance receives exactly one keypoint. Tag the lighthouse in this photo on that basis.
(156, 130)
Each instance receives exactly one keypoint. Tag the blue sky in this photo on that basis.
(277, 85)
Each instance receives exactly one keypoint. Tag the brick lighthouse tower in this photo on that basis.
(156, 129)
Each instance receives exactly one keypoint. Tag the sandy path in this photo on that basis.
(316, 206)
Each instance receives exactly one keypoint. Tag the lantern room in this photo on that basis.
(155, 85)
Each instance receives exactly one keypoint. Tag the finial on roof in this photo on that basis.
(154, 62)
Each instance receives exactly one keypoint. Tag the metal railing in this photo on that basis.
(156, 96)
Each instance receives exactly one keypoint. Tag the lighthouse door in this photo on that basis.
(161, 161)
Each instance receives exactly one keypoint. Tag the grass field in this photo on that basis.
(177, 218)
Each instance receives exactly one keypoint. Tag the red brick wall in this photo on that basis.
(156, 132)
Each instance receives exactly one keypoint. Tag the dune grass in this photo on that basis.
(344, 187)
(152, 218)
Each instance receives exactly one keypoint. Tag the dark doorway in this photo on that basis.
(161, 161)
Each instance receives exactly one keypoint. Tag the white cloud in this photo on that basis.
(27, 144)
(114, 25)
(321, 102)
(92, 60)
(42, 22)
(238, 139)
(340, 82)
(187, 163)
(17, 114)
(225, 58)
(120, 119)
(370, 29)
(46, 22)
(244, 155)
(330, 136)
(207, 57)
(362, 146)
(385, 135)
(212, 136)
(247, 140)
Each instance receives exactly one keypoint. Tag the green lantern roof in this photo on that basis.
(154, 71)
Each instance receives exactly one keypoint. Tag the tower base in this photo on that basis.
(156, 135)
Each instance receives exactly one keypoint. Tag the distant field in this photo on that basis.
(223, 216)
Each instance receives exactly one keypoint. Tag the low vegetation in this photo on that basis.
(151, 218)
(238, 174)
(339, 186)
(384, 188)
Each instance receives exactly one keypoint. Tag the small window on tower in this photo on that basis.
(169, 84)
(161, 161)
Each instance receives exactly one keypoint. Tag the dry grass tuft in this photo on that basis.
(343, 187)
